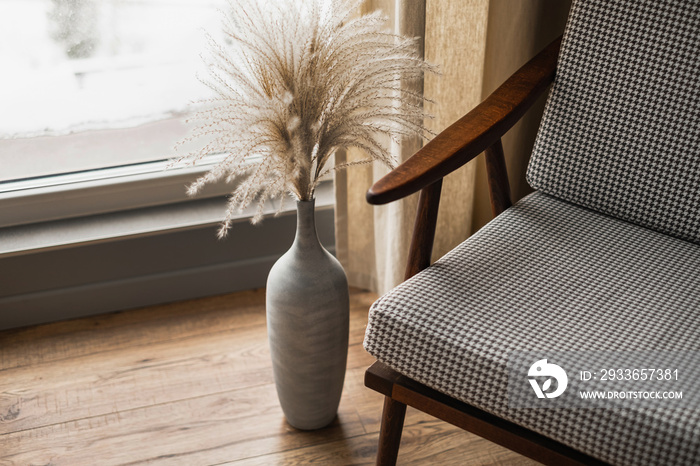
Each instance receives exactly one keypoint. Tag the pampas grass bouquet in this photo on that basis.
(294, 81)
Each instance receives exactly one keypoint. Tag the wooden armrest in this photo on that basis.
(473, 133)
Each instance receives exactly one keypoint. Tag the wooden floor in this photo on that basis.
(191, 383)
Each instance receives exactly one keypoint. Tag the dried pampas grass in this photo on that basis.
(295, 81)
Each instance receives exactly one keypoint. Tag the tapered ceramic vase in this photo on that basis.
(308, 325)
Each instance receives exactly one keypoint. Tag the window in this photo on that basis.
(96, 90)
(92, 99)
(96, 83)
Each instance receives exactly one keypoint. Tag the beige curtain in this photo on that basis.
(516, 31)
(475, 44)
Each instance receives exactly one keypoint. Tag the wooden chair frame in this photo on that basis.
(478, 131)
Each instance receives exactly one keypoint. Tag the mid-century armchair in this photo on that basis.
(603, 256)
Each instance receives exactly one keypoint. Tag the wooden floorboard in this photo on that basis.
(191, 383)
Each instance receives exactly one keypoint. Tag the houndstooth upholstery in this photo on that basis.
(551, 275)
(621, 131)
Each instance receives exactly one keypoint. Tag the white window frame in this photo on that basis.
(100, 191)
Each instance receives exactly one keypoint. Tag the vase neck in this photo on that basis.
(306, 224)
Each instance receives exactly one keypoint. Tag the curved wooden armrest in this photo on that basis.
(473, 133)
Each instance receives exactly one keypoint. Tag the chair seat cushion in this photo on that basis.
(549, 275)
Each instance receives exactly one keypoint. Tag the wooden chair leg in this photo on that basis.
(390, 433)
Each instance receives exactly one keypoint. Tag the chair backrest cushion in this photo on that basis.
(621, 130)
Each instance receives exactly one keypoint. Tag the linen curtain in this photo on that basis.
(476, 44)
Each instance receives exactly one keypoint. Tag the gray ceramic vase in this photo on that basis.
(308, 326)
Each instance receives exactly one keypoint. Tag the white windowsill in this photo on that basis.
(32, 238)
